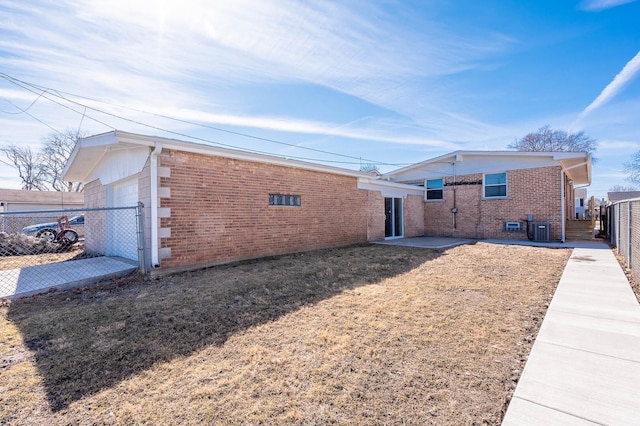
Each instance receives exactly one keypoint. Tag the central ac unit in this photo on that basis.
(541, 231)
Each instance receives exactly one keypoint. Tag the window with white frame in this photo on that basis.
(495, 185)
(435, 189)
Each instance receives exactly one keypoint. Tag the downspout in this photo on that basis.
(155, 262)
(454, 210)
(562, 194)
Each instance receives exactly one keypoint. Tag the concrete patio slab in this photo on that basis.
(448, 242)
(426, 242)
(584, 367)
(32, 280)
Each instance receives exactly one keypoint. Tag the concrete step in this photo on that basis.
(579, 230)
(579, 235)
(578, 224)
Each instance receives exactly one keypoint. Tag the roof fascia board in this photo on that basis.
(461, 156)
(377, 184)
(456, 154)
(196, 148)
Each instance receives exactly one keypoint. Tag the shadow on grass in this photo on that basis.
(87, 340)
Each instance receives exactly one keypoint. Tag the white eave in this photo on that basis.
(390, 189)
(89, 152)
(508, 159)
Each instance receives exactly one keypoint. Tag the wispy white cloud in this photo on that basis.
(629, 71)
(597, 5)
(365, 128)
(177, 54)
(620, 145)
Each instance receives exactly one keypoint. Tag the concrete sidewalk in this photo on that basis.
(584, 367)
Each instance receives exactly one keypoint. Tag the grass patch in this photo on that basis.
(359, 335)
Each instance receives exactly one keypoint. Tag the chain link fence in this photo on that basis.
(623, 220)
(45, 249)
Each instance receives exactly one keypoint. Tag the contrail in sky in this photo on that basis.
(628, 72)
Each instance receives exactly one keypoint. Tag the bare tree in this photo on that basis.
(56, 149)
(548, 139)
(28, 165)
(632, 169)
(42, 170)
(622, 188)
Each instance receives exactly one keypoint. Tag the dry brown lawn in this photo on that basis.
(358, 335)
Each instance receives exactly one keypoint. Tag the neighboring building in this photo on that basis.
(614, 197)
(582, 204)
(205, 205)
(14, 201)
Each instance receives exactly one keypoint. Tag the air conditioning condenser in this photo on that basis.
(541, 231)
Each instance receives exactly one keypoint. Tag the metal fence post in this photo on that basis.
(142, 252)
(618, 236)
(629, 223)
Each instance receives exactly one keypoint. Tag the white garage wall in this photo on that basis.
(122, 239)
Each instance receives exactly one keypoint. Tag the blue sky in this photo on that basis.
(385, 81)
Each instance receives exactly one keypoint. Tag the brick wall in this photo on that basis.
(375, 216)
(530, 191)
(413, 208)
(219, 210)
(438, 219)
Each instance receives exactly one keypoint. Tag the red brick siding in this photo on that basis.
(413, 208)
(438, 219)
(375, 216)
(530, 191)
(219, 210)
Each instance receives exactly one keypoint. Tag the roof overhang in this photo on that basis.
(578, 169)
(390, 189)
(578, 164)
(89, 153)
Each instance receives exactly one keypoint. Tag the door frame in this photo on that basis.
(393, 218)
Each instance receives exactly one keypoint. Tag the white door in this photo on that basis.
(122, 238)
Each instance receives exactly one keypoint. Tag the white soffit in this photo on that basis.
(465, 163)
(390, 189)
(117, 164)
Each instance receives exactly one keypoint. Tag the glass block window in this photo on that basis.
(284, 200)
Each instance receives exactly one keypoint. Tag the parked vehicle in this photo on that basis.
(55, 231)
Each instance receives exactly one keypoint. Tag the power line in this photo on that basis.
(22, 111)
(31, 115)
(44, 91)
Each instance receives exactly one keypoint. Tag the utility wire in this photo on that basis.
(49, 91)
(21, 84)
(31, 115)
(22, 111)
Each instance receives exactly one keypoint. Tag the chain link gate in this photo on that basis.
(45, 249)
